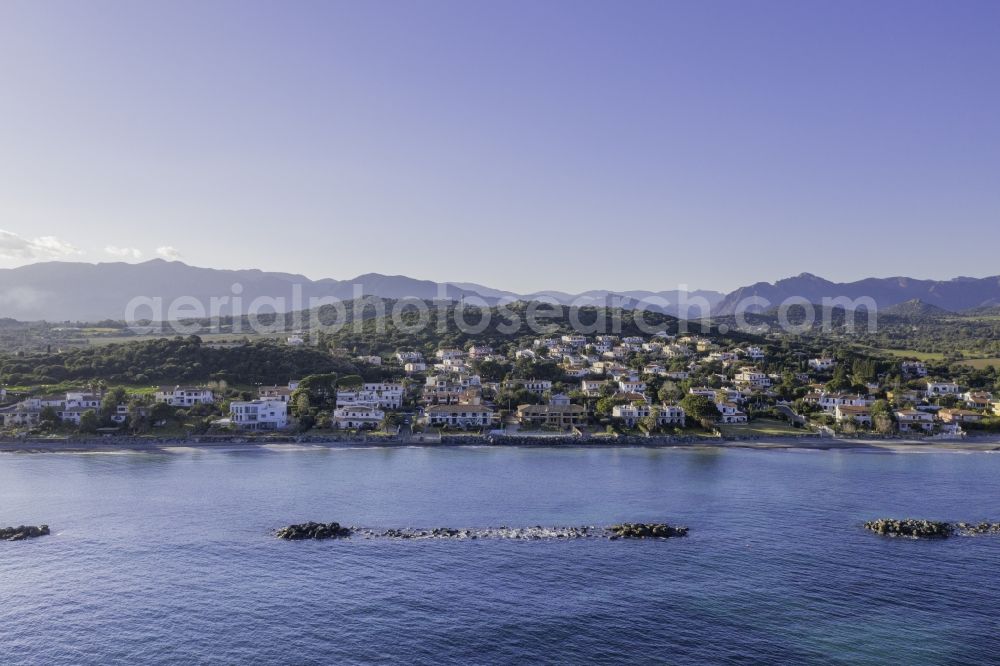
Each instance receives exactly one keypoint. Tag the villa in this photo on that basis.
(263, 414)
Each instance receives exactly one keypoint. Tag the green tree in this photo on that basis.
(49, 417)
(89, 422)
(700, 408)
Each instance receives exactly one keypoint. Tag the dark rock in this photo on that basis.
(646, 531)
(909, 527)
(978, 528)
(313, 530)
(22, 532)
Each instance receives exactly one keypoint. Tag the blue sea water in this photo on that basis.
(168, 558)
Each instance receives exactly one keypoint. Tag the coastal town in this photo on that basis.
(571, 385)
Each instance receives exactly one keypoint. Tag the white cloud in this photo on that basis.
(168, 252)
(13, 246)
(124, 252)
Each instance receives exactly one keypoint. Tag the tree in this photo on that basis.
(89, 423)
(301, 402)
(701, 408)
(49, 417)
(605, 405)
(669, 392)
(109, 404)
(648, 423)
(840, 382)
(320, 391)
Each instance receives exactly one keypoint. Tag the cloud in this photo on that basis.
(168, 252)
(124, 252)
(13, 246)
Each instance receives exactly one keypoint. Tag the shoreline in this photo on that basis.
(986, 443)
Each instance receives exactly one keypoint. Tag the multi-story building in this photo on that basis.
(358, 416)
(458, 416)
(185, 396)
(261, 414)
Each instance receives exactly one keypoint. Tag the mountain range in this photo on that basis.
(75, 291)
(961, 293)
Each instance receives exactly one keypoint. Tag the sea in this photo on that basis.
(170, 558)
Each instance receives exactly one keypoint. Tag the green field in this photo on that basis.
(761, 428)
(905, 353)
(981, 363)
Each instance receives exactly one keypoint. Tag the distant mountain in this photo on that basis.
(952, 295)
(72, 291)
(69, 291)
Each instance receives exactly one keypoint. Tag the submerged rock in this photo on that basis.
(909, 527)
(646, 531)
(313, 530)
(23, 532)
(978, 528)
(535, 533)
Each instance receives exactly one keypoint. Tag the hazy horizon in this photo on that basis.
(524, 147)
(500, 287)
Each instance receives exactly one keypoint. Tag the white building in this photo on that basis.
(859, 415)
(262, 414)
(911, 419)
(943, 388)
(413, 367)
(730, 413)
(753, 378)
(632, 386)
(592, 387)
(913, 368)
(374, 394)
(703, 391)
(185, 396)
(822, 363)
(358, 416)
(574, 340)
(282, 393)
(460, 416)
(538, 386)
(631, 414)
(830, 401)
(82, 401)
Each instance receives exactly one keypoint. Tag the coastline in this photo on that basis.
(986, 443)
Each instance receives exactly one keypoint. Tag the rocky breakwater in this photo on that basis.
(525, 533)
(911, 528)
(23, 532)
(971, 529)
(312, 530)
(646, 531)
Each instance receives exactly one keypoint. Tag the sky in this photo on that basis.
(522, 145)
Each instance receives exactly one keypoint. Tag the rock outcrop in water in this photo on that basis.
(23, 532)
(646, 531)
(978, 528)
(909, 527)
(503, 532)
(538, 532)
(313, 530)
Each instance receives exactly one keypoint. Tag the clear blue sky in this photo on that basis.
(524, 145)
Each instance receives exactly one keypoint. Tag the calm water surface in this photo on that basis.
(167, 558)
